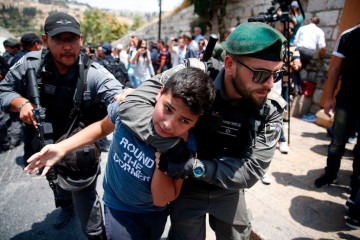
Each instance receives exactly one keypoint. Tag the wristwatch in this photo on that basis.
(199, 169)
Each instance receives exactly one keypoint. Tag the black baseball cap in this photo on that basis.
(60, 22)
(11, 43)
(29, 39)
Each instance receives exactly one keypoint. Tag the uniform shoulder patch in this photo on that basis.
(272, 133)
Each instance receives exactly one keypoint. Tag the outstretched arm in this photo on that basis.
(52, 153)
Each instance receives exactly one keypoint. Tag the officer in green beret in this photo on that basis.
(236, 139)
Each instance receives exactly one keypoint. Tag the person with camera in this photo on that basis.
(236, 138)
(177, 52)
(64, 71)
(141, 62)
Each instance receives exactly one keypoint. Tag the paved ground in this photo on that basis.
(289, 208)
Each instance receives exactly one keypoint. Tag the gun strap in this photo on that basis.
(81, 86)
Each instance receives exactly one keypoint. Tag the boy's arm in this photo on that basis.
(52, 153)
(164, 189)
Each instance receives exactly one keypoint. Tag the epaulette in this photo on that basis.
(277, 98)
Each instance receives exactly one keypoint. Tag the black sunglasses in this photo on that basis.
(260, 75)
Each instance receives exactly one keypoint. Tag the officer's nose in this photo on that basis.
(269, 83)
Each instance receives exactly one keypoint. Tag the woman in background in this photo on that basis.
(141, 62)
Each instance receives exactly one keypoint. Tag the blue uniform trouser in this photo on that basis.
(88, 208)
(15, 128)
(228, 215)
(4, 140)
(345, 118)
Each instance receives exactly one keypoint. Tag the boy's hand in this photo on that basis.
(47, 157)
(178, 161)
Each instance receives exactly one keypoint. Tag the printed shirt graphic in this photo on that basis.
(129, 170)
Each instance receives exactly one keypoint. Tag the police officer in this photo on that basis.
(29, 42)
(11, 49)
(236, 140)
(60, 70)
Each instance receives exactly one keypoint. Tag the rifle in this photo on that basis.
(44, 130)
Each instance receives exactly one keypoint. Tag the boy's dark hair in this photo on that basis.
(194, 87)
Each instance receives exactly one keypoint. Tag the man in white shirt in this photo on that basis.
(122, 54)
(177, 52)
(308, 38)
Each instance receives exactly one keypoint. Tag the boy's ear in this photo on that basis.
(160, 93)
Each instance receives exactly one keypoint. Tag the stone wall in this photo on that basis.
(171, 26)
(238, 11)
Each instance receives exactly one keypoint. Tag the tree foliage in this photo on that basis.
(138, 22)
(211, 13)
(18, 22)
(99, 27)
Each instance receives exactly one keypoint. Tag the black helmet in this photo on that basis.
(79, 169)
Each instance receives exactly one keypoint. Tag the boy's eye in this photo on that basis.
(184, 121)
(167, 108)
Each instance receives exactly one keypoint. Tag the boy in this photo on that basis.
(136, 193)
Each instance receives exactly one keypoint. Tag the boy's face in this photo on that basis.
(171, 117)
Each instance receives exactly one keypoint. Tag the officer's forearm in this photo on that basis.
(16, 103)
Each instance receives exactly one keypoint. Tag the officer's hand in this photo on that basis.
(27, 115)
(47, 157)
(179, 161)
(121, 97)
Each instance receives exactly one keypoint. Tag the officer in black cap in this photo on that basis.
(62, 68)
(29, 42)
(11, 49)
(235, 141)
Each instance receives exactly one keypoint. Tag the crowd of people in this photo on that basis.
(183, 144)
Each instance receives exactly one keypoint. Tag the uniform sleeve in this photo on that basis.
(102, 84)
(136, 112)
(241, 173)
(13, 85)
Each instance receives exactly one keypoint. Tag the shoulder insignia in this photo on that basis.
(272, 133)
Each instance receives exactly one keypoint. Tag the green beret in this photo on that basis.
(217, 52)
(257, 40)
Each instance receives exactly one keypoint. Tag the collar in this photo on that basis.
(219, 83)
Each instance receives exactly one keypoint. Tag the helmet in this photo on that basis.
(79, 169)
(70, 182)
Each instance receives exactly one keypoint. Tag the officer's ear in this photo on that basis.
(160, 93)
(229, 65)
(44, 38)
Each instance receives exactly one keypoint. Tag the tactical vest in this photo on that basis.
(228, 131)
(58, 94)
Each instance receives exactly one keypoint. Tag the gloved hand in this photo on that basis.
(178, 161)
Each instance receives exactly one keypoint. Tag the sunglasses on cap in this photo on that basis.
(261, 75)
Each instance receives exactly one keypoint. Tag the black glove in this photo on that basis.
(178, 161)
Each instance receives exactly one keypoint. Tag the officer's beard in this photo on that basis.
(247, 98)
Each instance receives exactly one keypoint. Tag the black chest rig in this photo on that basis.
(228, 131)
(62, 96)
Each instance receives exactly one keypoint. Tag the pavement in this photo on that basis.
(291, 207)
